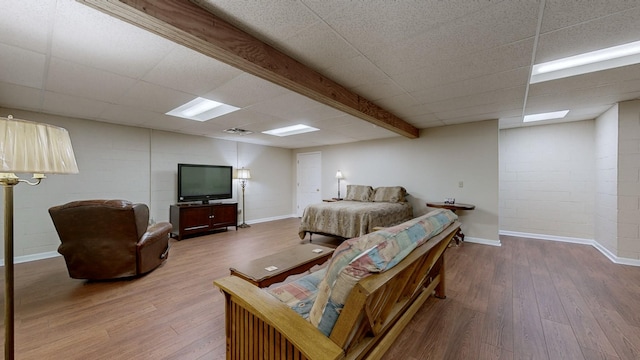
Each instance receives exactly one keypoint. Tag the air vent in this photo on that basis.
(237, 131)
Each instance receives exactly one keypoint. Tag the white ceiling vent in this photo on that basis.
(238, 131)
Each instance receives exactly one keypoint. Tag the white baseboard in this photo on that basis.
(33, 257)
(281, 217)
(482, 241)
(615, 259)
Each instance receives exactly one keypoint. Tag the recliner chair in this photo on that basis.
(109, 239)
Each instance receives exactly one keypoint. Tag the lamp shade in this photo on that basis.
(29, 147)
(244, 174)
(339, 175)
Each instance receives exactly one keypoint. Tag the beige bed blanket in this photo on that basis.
(349, 219)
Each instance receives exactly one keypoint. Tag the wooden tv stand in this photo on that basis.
(199, 219)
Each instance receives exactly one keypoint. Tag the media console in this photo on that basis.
(199, 219)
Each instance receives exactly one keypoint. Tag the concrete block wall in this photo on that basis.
(628, 222)
(546, 180)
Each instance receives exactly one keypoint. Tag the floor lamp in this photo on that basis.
(243, 175)
(26, 147)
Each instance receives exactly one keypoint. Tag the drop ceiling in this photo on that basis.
(431, 63)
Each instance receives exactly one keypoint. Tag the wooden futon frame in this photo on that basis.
(259, 326)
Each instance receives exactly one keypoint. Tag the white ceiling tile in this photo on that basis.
(318, 47)
(317, 114)
(364, 131)
(492, 61)
(98, 40)
(153, 97)
(27, 26)
(324, 8)
(191, 72)
(492, 27)
(165, 122)
(244, 119)
(62, 104)
(561, 13)
(266, 20)
(79, 80)
(22, 67)
(600, 33)
(425, 120)
(496, 98)
(121, 114)
(377, 27)
(357, 71)
(286, 106)
(245, 90)
(479, 112)
(473, 86)
(333, 123)
(375, 91)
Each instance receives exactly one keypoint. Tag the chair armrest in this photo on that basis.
(154, 233)
(304, 336)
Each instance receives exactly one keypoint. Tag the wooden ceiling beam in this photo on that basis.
(190, 25)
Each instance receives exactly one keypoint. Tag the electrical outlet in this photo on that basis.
(460, 184)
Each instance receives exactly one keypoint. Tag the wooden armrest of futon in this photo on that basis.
(304, 336)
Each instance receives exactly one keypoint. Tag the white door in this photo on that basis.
(308, 180)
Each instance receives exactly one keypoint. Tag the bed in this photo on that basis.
(363, 209)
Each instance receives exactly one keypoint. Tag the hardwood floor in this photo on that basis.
(527, 299)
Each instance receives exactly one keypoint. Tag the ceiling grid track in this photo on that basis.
(533, 56)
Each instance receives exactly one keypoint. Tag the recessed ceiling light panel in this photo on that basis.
(545, 116)
(291, 130)
(609, 58)
(201, 109)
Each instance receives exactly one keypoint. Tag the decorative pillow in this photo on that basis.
(389, 194)
(359, 193)
(300, 294)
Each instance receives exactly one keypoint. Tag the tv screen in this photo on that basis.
(204, 182)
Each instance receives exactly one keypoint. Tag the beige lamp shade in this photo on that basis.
(339, 175)
(29, 147)
(244, 174)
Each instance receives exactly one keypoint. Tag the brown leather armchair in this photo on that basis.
(109, 239)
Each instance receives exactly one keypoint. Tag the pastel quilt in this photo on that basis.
(360, 257)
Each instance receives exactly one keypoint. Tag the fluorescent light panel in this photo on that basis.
(545, 116)
(291, 130)
(201, 109)
(609, 58)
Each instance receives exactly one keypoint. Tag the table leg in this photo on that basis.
(458, 237)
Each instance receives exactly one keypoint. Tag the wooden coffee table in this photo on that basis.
(290, 261)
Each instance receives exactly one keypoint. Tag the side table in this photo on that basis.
(453, 207)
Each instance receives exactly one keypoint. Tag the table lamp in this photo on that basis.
(339, 177)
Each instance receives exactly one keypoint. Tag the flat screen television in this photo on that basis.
(204, 182)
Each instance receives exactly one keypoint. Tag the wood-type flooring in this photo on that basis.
(528, 299)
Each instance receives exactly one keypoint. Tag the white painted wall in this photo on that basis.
(140, 165)
(547, 179)
(606, 175)
(629, 180)
(429, 167)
